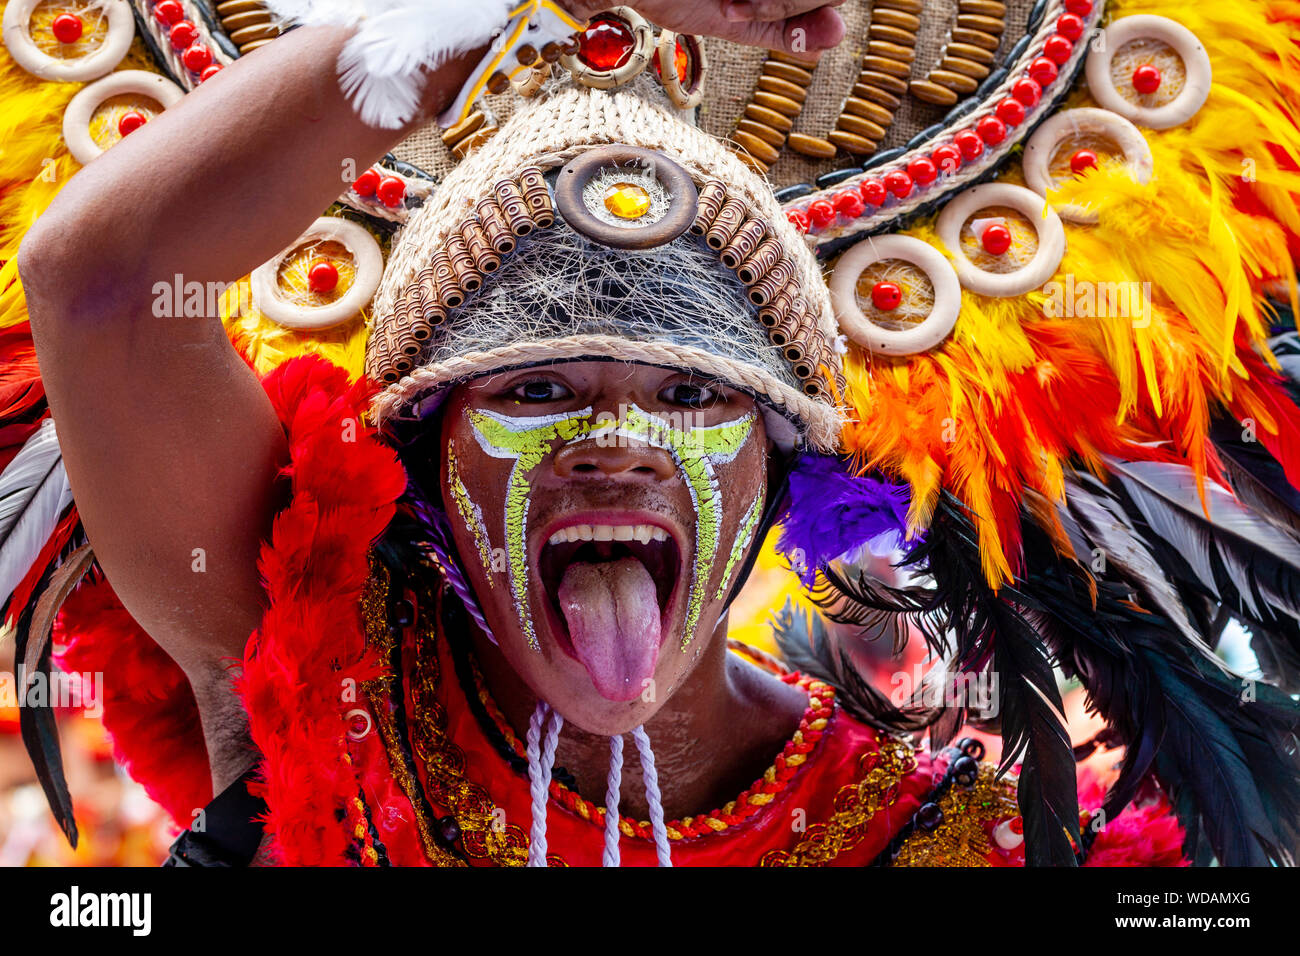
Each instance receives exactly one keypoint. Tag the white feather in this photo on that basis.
(24, 474)
(382, 67)
(46, 497)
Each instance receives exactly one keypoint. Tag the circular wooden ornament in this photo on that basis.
(571, 184)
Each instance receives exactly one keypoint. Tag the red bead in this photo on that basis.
(130, 121)
(996, 239)
(873, 192)
(1146, 78)
(67, 28)
(366, 183)
(886, 296)
(606, 44)
(1042, 71)
(1080, 8)
(821, 214)
(168, 12)
(209, 72)
(322, 276)
(923, 170)
(797, 219)
(391, 191)
(848, 204)
(970, 144)
(947, 157)
(1069, 26)
(1011, 112)
(183, 34)
(992, 130)
(1058, 49)
(196, 57)
(1083, 159)
(1016, 825)
(1027, 91)
(898, 183)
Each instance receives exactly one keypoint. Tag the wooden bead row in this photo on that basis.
(473, 250)
(248, 23)
(750, 247)
(869, 110)
(770, 114)
(969, 54)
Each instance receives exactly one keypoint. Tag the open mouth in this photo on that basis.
(611, 594)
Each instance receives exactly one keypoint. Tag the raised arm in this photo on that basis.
(169, 441)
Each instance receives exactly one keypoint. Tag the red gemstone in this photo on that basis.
(606, 44)
(366, 183)
(992, 130)
(1011, 111)
(1080, 8)
(848, 204)
(947, 157)
(209, 72)
(996, 239)
(873, 192)
(1027, 91)
(1042, 71)
(798, 220)
(923, 170)
(898, 183)
(196, 57)
(1069, 26)
(821, 213)
(1083, 159)
(183, 34)
(1016, 825)
(886, 296)
(323, 276)
(1146, 78)
(168, 12)
(1058, 49)
(391, 191)
(130, 121)
(970, 144)
(67, 28)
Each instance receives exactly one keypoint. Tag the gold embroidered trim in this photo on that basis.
(960, 839)
(853, 808)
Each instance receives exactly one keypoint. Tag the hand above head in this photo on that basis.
(796, 26)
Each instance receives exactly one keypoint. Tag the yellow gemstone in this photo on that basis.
(627, 200)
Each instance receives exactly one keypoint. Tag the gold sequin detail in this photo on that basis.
(854, 807)
(960, 839)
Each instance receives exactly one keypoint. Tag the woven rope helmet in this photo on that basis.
(508, 264)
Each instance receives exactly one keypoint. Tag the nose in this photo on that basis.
(621, 459)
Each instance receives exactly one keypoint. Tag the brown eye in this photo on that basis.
(540, 390)
(688, 395)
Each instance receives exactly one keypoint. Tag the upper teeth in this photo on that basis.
(609, 532)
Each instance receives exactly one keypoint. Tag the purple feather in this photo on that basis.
(832, 512)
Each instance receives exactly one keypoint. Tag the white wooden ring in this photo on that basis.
(369, 270)
(643, 49)
(921, 337)
(1035, 272)
(76, 118)
(1042, 147)
(18, 40)
(1145, 26)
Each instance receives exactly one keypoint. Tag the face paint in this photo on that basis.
(743, 535)
(696, 451)
(528, 441)
(471, 514)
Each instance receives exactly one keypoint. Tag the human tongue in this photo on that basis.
(613, 618)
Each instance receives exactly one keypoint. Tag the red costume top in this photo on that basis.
(372, 748)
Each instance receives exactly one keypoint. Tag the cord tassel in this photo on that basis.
(539, 775)
(613, 782)
(653, 800)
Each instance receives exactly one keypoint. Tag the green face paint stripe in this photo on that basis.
(528, 441)
(471, 514)
(743, 535)
(695, 451)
